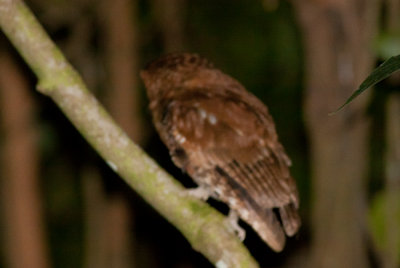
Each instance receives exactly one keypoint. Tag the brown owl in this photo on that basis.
(225, 139)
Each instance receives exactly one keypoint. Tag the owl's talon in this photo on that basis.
(233, 219)
(200, 192)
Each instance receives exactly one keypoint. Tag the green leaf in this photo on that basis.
(383, 71)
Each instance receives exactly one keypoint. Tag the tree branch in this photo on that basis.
(204, 227)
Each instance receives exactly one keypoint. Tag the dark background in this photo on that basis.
(62, 206)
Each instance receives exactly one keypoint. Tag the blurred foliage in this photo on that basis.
(387, 45)
(378, 217)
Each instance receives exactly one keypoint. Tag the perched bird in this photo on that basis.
(225, 139)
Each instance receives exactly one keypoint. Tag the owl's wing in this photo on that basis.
(232, 147)
(242, 142)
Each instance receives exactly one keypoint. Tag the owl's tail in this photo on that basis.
(265, 222)
(290, 219)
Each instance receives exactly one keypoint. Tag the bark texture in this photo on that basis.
(336, 36)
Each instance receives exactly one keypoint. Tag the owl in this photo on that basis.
(224, 138)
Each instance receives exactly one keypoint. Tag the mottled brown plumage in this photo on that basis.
(225, 139)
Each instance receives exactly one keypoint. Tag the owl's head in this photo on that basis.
(171, 71)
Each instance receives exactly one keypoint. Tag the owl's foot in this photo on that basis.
(201, 192)
(233, 219)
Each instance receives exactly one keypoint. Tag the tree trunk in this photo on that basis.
(25, 244)
(121, 61)
(169, 15)
(336, 37)
(96, 229)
